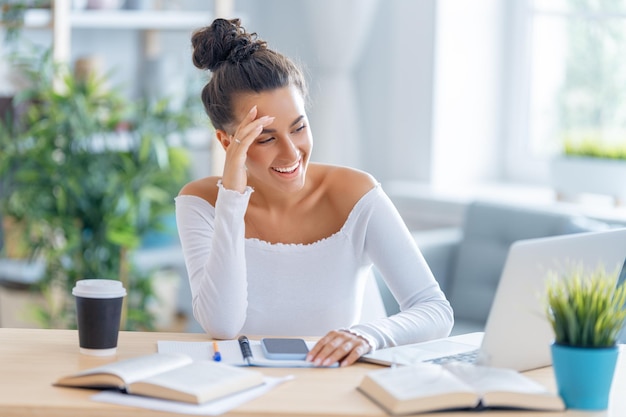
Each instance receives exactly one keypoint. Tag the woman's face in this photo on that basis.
(279, 156)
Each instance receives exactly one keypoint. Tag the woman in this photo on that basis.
(279, 245)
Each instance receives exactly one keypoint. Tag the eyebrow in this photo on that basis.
(295, 122)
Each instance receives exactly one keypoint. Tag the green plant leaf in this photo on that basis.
(88, 172)
(585, 309)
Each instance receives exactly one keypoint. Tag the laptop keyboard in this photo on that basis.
(465, 357)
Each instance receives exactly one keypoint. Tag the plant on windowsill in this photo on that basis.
(586, 311)
(593, 148)
(86, 174)
(590, 165)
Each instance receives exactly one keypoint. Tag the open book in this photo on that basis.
(168, 376)
(427, 387)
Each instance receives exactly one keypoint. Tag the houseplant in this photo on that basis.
(86, 173)
(590, 165)
(586, 311)
(12, 15)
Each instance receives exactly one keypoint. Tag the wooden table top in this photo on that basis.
(32, 359)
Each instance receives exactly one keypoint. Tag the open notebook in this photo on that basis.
(231, 353)
(517, 334)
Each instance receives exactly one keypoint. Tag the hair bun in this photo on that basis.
(223, 41)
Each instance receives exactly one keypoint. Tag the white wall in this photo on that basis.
(427, 80)
(468, 101)
(396, 86)
(393, 79)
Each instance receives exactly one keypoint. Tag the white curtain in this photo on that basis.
(340, 28)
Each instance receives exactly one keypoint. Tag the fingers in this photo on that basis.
(250, 128)
(240, 133)
(237, 145)
(247, 131)
(338, 346)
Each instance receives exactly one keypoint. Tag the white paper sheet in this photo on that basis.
(231, 353)
(212, 408)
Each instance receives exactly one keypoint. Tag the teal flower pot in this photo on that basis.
(584, 375)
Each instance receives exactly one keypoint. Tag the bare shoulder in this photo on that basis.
(205, 188)
(346, 186)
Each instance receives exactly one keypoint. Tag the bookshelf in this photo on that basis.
(62, 19)
(122, 19)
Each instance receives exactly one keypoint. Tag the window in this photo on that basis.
(573, 84)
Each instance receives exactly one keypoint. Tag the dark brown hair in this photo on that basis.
(239, 63)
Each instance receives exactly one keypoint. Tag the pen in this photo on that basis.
(246, 352)
(217, 356)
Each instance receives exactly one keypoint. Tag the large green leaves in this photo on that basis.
(88, 171)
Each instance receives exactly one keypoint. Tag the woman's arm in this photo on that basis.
(381, 236)
(425, 311)
(213, 243)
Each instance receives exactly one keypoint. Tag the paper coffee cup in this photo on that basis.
(98, 314)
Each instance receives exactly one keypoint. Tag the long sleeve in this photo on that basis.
(425, 312)
(243, 285)
(213, 244)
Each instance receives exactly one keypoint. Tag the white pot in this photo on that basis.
(577, 175)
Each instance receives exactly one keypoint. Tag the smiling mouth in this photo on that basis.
(287, 170)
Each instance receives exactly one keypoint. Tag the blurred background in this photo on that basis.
(443, 101)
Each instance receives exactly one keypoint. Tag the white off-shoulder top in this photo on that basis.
(249, 286)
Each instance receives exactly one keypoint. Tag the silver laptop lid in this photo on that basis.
(517, 333)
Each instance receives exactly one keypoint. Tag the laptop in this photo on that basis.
(517, 333)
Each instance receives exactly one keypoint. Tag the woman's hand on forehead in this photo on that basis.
(235, 176)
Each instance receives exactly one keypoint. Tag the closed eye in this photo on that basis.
(300, 128)
(272, 138)
(265, 140)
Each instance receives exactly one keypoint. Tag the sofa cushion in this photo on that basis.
(582, 224)
(489, 229)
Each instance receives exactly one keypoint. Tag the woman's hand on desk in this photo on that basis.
(338, 346)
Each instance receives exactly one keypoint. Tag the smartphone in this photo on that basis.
(284, 349)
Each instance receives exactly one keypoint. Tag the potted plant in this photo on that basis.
(86, 174)
(586, 312)
(590, 165)
(12, 15)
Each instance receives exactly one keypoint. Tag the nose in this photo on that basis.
(290, 149)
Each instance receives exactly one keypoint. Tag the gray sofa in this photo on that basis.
(467, 261)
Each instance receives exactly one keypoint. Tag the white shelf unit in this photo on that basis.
(61, 19)
(131, 19)
(135, 41)
(123, 19)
